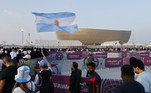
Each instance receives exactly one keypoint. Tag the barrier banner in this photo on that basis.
(135, 54)
(125, 54)
(59, 56)
(114, 55)
(61, 84)
(100, 63)
(108, 85)
(102, 59)
(64, 56)
(56, 68)
(144, 54)
(56, 55)
(113, 62)
(109, 62)
(147, 61)
(126, 61)
(97, 55)
(74, 55)
(84, 54)
(68, 55)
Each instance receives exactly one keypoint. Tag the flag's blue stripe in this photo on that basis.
(70, 29)
(55, 15)
(43, 27)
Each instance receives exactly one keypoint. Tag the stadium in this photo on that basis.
(95, 36)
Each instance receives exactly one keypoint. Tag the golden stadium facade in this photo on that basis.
(95, 36)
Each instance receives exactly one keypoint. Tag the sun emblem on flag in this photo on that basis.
(56, 22)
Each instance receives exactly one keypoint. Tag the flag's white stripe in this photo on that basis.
(62, 21)
(40, 19)
(67, 21)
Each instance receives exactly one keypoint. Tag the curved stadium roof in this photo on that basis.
(95, 36)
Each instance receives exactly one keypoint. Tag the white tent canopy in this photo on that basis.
(112, 43)
(58, 43)
(26, 43)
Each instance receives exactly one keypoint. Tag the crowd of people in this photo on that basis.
(18, 73)
(21, 79)
(134, 76)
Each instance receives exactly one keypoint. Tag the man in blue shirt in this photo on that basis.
(129, 84)
(94, 81)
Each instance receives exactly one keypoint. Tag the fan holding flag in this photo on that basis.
(51, 22)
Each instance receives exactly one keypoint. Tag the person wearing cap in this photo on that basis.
(23, 78)
(43, 79)
(7, 76)
(31, 64)
(88, 59)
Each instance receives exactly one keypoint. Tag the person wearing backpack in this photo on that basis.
(23, 80)
(43, 79)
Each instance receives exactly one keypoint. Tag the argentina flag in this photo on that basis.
(50, 22)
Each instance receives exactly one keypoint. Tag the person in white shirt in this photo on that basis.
(25, 52)
(144, 77)
(23, 78)
(1, 64)
(13, 54)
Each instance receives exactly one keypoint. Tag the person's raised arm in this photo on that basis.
(48, 64)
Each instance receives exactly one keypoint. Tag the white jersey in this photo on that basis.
(21, 62)
(145, 79)
(25, 52)
(13, 54)
(1, 64)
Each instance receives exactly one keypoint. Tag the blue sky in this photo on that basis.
(134, 15)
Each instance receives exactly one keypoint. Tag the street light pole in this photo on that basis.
(22, 30)
(29, 37)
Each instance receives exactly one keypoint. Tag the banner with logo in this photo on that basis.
(61, 84)
(102, 59)
(147, 61)
(97, 55)
(73, 55)
(113, 62)
(109, 85)
(144, 54)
